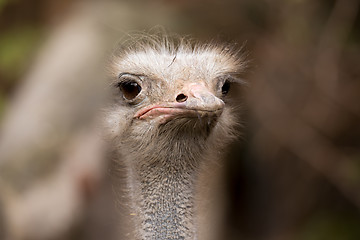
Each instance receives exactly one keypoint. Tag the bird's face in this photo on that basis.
(158, 91)
(156, 101)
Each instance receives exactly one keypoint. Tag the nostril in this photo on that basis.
(181, 98)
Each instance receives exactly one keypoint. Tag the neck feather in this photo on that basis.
(162, 178)
(163, 192)
(164, 203)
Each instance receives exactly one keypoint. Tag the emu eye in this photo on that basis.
(130, 89)
(225, 88)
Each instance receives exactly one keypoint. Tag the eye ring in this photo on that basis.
(129, 86)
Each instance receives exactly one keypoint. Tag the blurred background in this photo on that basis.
(293, 175)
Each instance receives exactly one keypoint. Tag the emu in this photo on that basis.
(169, 118)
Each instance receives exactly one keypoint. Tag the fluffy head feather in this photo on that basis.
(165, 65)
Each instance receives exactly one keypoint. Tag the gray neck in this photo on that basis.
(162, 173)
(163, 201)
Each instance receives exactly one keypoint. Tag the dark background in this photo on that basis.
(295, 172)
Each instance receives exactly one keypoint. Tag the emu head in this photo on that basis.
(172, 96)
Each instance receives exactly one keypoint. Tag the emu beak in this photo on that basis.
(195, 100)
(201, 99)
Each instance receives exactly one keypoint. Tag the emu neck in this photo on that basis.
(164, 200)
(163, 169)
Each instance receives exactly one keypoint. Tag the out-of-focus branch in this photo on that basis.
(50, 157)
(304, 123)
(308, 144)
(330, 46)
(335, 165)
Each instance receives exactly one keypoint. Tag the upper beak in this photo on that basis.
(201, 99)
(192, 100)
